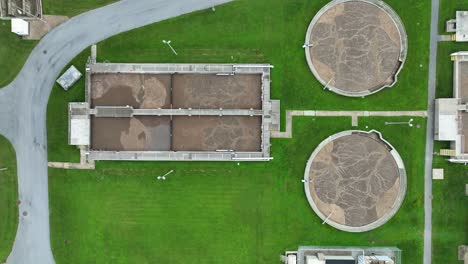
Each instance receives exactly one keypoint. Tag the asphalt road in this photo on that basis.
(23, 105)
(430, 134)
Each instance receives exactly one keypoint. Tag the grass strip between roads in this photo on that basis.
(8, 198)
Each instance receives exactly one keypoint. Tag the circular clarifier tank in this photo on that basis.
(355, 181)
(356, 47)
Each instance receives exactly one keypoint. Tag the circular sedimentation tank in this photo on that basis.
(355, 181)
(356, 47)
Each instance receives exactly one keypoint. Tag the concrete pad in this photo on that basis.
(438, 174)
(39, 28)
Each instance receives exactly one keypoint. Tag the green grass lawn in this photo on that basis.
(71, 7)
(209, 37)
(57, 116)
(8, 198)
(273, 32)
(447, 9)
(13, 53)
(14, 50)
(220, 211)
(450, 213)
(247, 31)
(444, 84)
(212, 212)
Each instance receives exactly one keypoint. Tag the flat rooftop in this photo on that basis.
(462, 26)
(178, 112)
(452, 113)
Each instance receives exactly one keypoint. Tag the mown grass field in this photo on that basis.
(266, 35)
(8, 198)
(252, 31)
(247, 213)
(450, 213)
(13, 53)
(71, 7)
(14, 50)
(273, 32)
(214, 212)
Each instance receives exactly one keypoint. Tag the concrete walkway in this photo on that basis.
(431, 88)
(353, 114)
(23, 105)
(445, 38)
(84, 164)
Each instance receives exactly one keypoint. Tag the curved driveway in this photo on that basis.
(23, 105)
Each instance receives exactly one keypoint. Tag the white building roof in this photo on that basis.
(314, 260)
(79, 126)
(292, 259)
(19, 26)
(437, 174)
(446, 123)
(79, 135)
(462, 26)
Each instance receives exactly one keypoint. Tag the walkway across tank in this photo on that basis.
(356, 47)
(355, 181)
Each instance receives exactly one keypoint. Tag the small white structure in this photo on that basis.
(462, 26)
(343, 255)
(69, 78)
(451, 114)
(438, 174)
(19, 27)
(80, 124)
(447, 119)
(292, 259)
(459, 26)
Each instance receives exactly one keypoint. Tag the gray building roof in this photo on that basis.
(69, 78)
(462, 26)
